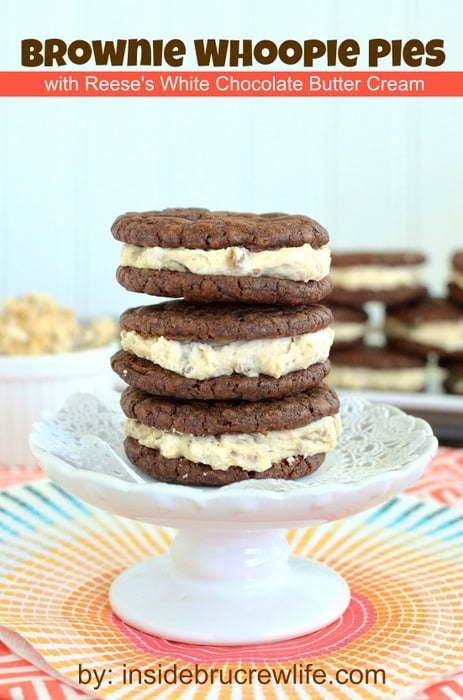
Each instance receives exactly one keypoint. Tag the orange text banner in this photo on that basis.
(152, 83)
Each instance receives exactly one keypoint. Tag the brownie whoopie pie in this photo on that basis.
(455, 284)
(453, 375)
(430, 326)
(389, 277)
(377, 368)
(220, 256)
(349, 325)
(212, 443)
(224, 351)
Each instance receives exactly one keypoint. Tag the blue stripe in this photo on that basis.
(13, 516)
(48, 502)
(28, 507)
(29, 511)
(8, 530)
(405, 514)
(76, 502)
(454, 536)
(378, 512)
(446, 524)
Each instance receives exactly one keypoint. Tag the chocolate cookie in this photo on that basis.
(389, 277)
(203, 229)
(181, 320)
(145, 375)
(350, 325)
(453, 376)
(211, 443)
(183, 471)
(224, 256)
(377, 368)
(220, 288)
(429, 326)
(212, 418)
(219, 351)
(455, 284)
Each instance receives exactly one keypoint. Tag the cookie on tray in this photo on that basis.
(455, 284)
(213, 443)
(224, 351)
(219, 256)
(389, 277)
(377, 368)
(431, 326)
(349, 325)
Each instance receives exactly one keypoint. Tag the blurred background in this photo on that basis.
(377, 172)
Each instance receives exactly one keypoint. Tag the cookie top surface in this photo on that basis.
(211, 230)
(219, 417)
(457, 260)
(181, 320)
(387, 258)
(427, 311)
(373, 357)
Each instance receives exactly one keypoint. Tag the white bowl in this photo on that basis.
(30, 385)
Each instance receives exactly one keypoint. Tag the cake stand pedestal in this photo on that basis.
(238, 587)
(229, 577)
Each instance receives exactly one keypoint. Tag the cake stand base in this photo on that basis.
(229, 587)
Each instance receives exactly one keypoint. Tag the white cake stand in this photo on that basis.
(229, 578)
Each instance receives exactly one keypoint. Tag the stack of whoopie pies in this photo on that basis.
(226, 378)
(416, 327)
(452, 364)
(432, 328)
(386, 279)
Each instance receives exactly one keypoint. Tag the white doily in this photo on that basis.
(87, 433)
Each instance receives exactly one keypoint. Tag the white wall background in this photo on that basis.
(376, 172)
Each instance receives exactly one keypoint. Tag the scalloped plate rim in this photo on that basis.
(277, 489)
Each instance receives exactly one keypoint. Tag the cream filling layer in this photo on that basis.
(457, 278)
(274, 357)
(446, 335)
(376, 277)
(253, 451)
(411, 379)
(300, 264)
(348, 332)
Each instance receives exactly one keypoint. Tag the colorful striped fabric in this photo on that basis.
(401, 633)
(21, 680)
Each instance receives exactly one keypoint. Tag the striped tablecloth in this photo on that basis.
(403, 626)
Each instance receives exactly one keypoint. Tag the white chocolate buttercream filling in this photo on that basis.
(253, 451)
(348, 377)
(348, 331)
(457, 278)
(376, 277)
(274, 357)
(301, 263)
(445, 335)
